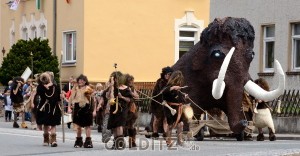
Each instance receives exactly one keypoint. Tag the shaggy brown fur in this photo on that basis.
(201, 65)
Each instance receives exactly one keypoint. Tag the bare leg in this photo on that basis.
(155, 127)
(165, 124)
(79, 131)
(155, 124)
(88, 131)
(119, 131)
(169, 133)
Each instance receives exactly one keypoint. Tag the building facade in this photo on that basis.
(277, 35)
(93, 35)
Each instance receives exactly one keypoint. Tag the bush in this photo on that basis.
(19, 57)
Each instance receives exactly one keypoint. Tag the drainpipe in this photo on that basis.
(54, 25)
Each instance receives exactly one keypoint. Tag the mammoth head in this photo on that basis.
(238, 33)
(217, 39)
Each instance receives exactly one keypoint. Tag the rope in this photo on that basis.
(149, 97)
(203, 110)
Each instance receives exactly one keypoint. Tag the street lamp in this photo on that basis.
(31, 64)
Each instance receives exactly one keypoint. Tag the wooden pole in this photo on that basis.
(62, 101)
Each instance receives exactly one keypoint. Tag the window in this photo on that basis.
(12, 38)
(33, 32)
(268, 48)
(187, 33)
(296, 46)
(25, 34)
(187, 38)
(43, 32)
(69, 47)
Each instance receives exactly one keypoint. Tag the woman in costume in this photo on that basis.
(83, 110)
(175, 99)
(132, 111)
(48, 109)
(119, 108)
(156, 109)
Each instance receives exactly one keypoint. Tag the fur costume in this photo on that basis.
(264, 119)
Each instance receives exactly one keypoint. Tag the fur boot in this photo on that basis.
(260, 137)
(132, 136)
(53, 140)
(272, 136)
(78, 142)
(46, 139)
(88, 143)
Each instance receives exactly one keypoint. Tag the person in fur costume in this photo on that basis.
(247, 105)
(159, 119)
(83, 110)
(262, 114)
(48, 109)
(118, 110)
(132, 111)
(18, 101)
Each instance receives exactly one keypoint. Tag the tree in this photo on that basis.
(19, 57)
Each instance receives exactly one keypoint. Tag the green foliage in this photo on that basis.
(19, 57)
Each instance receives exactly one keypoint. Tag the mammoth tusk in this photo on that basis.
(259, 93)
(173, 111)
(219, 84)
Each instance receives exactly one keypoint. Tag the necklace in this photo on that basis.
(52, 92)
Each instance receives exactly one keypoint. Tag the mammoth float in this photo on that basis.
(216, 70)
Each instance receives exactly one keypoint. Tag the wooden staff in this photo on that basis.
(62, 101)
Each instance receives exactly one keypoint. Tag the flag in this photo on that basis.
(38, 4)
(14, 5)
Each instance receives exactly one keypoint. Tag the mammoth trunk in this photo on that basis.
(234, 109)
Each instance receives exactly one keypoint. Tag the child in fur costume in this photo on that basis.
(263, 117)
(83, 110)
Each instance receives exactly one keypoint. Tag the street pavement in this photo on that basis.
(19, 141)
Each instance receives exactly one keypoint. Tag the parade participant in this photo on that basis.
(17, 100)
(30, 104)
(99, 104)
(247, 105)
(118, 109)
(263, 117)
(48, 114)
(156, 109)
(132, 112)
(83, 110)
(175, 99)
(67, 91)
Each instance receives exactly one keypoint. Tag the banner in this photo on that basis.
(26, 74)
(14, 5)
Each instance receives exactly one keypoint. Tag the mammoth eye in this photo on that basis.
(217, 54)
(250, 54)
